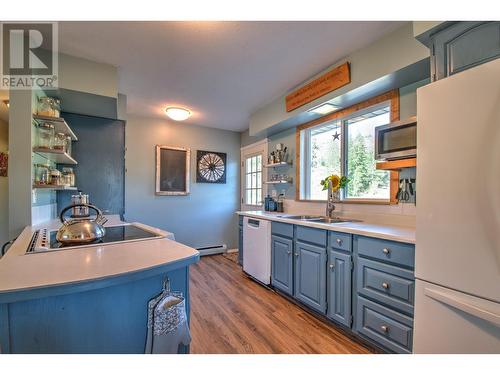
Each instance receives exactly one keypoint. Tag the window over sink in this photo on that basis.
(343, 143)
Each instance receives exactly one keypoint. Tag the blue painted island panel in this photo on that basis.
(111, 319)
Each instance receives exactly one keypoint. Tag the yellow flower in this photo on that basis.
(335, 182)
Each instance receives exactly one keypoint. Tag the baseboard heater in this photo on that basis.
(210, 250)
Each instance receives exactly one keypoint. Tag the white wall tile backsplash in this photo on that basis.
(403, 214)
(41, 214)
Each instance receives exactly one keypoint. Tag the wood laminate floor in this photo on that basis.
(232, 314)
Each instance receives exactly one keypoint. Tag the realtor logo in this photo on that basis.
(29, 55)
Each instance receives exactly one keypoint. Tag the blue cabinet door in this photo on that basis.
(240, 245)
(282, 264)
(310, 275)
(339, 287)
(464, 45)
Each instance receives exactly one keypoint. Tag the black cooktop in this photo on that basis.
(113, 234)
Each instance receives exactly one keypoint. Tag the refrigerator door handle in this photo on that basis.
(465, 305)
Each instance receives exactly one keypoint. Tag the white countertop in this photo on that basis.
(20, 271)
(384, 231)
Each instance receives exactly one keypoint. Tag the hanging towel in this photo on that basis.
(167, 324)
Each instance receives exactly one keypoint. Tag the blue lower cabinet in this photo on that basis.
(339, 287)
(310, 275)
(384, 326)
(282, 264)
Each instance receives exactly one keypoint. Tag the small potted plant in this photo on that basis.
(337, 184)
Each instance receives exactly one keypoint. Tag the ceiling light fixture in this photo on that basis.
(324, 109)
(7, 103)
(178, 113)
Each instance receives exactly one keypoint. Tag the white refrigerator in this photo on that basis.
(457, 299)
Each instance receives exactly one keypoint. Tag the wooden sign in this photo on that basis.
(328, 82)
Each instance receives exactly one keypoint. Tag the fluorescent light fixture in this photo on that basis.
(323, 109)
(177, 113)
(6, 102)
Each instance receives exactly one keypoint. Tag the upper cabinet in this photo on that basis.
(463, 45)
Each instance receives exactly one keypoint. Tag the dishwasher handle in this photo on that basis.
(253, 223)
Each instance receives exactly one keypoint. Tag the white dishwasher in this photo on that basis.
(257, 249)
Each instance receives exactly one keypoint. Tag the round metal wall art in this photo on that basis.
(211, 167)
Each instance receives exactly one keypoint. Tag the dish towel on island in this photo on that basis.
(167, 324)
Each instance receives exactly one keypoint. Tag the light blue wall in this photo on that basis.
(206, 216)
(408, 107)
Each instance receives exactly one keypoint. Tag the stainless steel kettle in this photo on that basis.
(77, 231)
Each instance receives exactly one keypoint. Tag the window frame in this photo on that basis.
(392, 97)
(257, 171)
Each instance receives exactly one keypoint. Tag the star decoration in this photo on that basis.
(336, 136)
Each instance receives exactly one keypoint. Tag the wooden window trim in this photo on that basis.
(391, 96)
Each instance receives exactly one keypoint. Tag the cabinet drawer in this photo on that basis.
(387, 251)
(384, 326)
(387, 284)
(311, 235)
(341, 241)
(282, 229)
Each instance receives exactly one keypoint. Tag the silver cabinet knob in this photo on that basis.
(288, 252)
(296, 254)
(339, 241)
(386, 251)
(332, 266)
(385, 285)
(384, 328)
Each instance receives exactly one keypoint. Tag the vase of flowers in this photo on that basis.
(337, 183)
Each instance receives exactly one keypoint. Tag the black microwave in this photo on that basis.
(397, 140)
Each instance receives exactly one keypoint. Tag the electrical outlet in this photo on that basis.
(33, 196)
(274, 193)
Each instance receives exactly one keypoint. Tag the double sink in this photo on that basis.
(319, 219)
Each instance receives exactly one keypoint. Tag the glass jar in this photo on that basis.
(68, 145)
(55, 177)
(60, 142)
(42, 174)
(68, 176)
(45, 135)
(46, 106)
(56, 107)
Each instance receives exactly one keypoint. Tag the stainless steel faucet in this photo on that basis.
(330, 206)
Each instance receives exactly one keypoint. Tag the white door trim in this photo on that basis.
(254, 148)
(264, 141)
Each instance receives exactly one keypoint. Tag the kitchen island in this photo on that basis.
(91, 299)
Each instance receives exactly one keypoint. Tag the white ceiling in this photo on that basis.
(222, 71)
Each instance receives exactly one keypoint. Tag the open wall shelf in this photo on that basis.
(278, 182)
(397, 165)
(274, 165)
(54, 187)
(57, 156)
(60, 125)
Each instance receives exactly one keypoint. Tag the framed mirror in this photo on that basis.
(172, 170)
